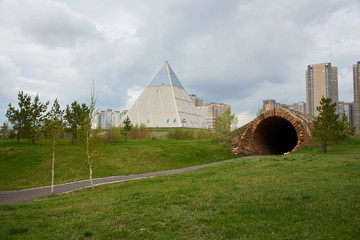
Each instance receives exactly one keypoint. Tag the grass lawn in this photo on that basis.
(27, 165)
(303, 195)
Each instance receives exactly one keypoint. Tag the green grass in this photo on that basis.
(27, 165)
(303, 195)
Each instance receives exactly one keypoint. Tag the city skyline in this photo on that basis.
(238, 52)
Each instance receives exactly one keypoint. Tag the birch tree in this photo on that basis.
(54, 126)
(92, 115)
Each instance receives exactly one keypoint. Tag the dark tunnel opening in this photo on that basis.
(275, 135)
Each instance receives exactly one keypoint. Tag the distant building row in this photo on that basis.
(322, 81)
(109, 119)
(342, 107)
(271, 104)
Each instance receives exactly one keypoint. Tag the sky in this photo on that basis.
(238, 52)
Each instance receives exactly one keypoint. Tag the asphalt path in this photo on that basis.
(27, 195)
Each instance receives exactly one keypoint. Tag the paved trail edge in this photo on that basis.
(27, 195)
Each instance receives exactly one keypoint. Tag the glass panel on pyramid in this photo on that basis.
(165, 103)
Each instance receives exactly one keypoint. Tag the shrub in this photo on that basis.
(181, 133)
(203, 134)
(112, 135)
(139, 133)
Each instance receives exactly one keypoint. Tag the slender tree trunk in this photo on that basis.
(53, 166)
(73, 137)
(89, 159)
(324, 147)
(33, 134)
(18, 133)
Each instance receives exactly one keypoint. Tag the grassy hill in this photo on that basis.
(27, 165)
(303, 195)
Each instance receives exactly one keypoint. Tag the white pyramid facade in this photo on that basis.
(165, 103)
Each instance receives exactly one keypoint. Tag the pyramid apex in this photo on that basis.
(165, 76)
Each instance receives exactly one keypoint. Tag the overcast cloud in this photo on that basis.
(238, 52)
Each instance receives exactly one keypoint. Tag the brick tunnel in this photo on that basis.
(276, 131)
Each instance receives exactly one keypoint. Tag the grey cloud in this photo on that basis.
(51, 24)
(236, 52)
(227, 51)
(9, 74)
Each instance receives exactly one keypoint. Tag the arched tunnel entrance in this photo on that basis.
(275, 131)
(275, 135)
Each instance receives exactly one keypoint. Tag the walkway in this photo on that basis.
(27, 195)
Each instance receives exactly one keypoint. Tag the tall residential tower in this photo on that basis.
(321, 81)
(356, 106)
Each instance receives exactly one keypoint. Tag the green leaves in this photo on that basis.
(37, 110)
(78, 119)
(127, 127)
(54, 121)
(5, 131)
(327, 128)
(224, 122)
(27, 119)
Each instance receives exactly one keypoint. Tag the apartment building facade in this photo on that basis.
(347, 108)
(321, 81)
(109, 119)
(271, 104)
(211, 111)
(356, 106)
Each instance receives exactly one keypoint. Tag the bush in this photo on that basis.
(117, 134)
(181, 133)
(203, 134)
(139, 133)
(111, 135)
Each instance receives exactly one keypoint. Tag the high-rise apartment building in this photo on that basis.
(321, 81)
(300, 106)
(271, 104)
(356, 106)
(211, 111)
(346, 108)
(196, 100)
(109, 119)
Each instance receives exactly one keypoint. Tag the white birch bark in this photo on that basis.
(53, 166)
(89, 159)
(92, 115)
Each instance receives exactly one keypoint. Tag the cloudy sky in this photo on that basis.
(238, 52)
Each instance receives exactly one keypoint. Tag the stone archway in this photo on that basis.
(276, 131)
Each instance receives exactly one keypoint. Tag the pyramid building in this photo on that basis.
(165, 103)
